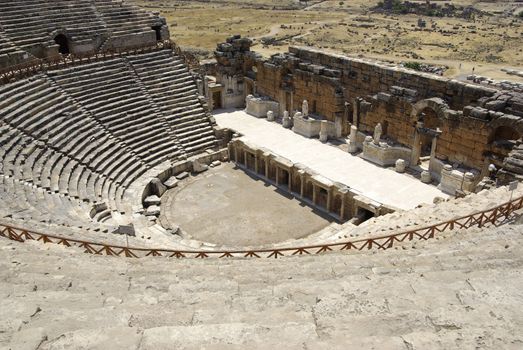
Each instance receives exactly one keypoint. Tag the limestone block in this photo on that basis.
(157, 187)
(171, 182)
(199, 167)
(152, 200)
(153, 210)
(259, 106)
(400, 166)
(383, 154)
(311, 127)
(426, 177)
(270, 116)
(182, 175)
(125, 230)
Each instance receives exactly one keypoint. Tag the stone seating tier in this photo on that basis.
(29, 27)
(85, 134)
(458, 292)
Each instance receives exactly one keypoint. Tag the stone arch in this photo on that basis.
(431, 112)
(507, 121)
(63, 44)
(505, 133)
(436, 104)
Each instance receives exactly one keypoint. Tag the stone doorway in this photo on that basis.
(216, 100)
(428, 115)
(158, 31)
(363, 215)
(63, 44)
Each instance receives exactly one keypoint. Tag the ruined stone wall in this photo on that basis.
(366, 93)
(462, 140)
(361, 78)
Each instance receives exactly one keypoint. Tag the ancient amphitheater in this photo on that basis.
(308, 200)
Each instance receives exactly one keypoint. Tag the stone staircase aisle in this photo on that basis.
(462, 292)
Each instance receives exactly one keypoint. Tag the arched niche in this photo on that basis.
(429, 115)
(505, 133)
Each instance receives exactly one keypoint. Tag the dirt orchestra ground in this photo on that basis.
(227, 206)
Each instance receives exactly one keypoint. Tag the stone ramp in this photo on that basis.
(459, 292)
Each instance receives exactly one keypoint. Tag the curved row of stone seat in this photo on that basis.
(108, 90)
(458, 293)
(9, 52)
(30, 22)
(424, 215)
(86, 133)
(27, 203)
(121, 20)
(35, 108)
(172, 87)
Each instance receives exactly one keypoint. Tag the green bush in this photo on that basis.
(413, 65)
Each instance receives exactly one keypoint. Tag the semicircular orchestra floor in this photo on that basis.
(227, 206)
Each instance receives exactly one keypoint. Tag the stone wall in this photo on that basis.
(336, 199)
(364, 93)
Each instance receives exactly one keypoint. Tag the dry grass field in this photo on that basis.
(487, 43)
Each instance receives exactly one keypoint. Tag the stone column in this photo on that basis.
(277, 175)
(302, 184)
(266, 166)
(352, 139)
(314, 188)
(256, 163)
(324, 136)
(245, 162)
(236, 154)
(342, 209)
(290, 180)
(433, 153)
(355, 112)
(291, 107)
(329, 199)
(338, 123)
(416, 149)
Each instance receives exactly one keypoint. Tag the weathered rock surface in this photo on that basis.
(462, 291)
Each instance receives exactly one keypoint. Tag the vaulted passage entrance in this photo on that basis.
(63, 45)
(158, 31)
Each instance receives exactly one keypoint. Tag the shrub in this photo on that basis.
(413, 65)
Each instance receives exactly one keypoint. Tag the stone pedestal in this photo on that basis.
(259, 106)
(352, 139)
(400, 166)
(287, 121)
(425, 177)
(270, 116)
(453, 180)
